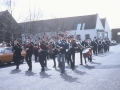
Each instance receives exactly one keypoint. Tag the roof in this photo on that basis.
(68, 23)
(1, 13)
(116, 30)
(103, 21)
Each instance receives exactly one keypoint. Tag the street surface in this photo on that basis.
(101, 74)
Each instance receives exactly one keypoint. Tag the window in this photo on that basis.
(2, 50)
(102, 35)
(8, 50)
(87, 36)
(99, 34)
(106, 35)
(78, 26)
(83, 26)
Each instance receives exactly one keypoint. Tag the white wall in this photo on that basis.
(107, 29)
(82, 33)
(99, 24)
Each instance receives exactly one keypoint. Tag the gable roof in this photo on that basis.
(103, 21)
(2, 12)
(69, 23)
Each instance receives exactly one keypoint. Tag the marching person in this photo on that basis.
(95, 46)
(35, 50)
(102, 46)
(29, 52)
(42, 54)
(108, 44)
(73, 46)
(47, 51)
(52, 52)
(105, 45)
(68, 53)
(61, 48)
(81, 45)
(89, 44)
(99, 46)
(16, 54)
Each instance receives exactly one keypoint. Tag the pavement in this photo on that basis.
(101, 74)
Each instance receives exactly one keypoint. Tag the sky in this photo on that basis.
(66, 8)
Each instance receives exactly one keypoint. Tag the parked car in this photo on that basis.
(6, 55)
(113, 42)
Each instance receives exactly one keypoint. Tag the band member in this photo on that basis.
(81, 46)
(47, 51)
(105, 45)
(99, 46)
(16, 54)
(42, 54)
(29, 52)
(102, 46)
(52, 52)
(68, 53)
(73, 46)
(89, 44)
(35, 50)
(95, 46)
(61, 48)
(108, 44)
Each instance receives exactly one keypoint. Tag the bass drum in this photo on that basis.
(86, 53)
(90, 50)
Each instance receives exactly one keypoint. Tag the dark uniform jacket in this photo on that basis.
(43, 47)
(74, 46)
(30, 49)
(63, 44)
(95, 43)
(17, 51)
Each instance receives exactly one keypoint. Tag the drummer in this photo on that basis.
(89, 45)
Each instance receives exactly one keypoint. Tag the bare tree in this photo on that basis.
(58, 25)
(33, 16)
(10, 6)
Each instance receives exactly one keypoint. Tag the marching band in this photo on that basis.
(63, 49)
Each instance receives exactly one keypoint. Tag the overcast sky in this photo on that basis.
(67, 8)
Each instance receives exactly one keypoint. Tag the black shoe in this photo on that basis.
(45, 65)
(17, 67)
(73, 68)
(30, 69)
(62, 72)
(81, 64)
(42, 70)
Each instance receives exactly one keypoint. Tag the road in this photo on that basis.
(101, 74)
